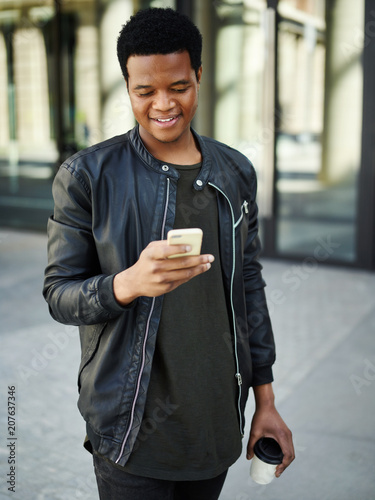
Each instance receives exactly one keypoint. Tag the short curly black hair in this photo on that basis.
(159, 31)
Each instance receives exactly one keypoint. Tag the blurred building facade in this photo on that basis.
(289, 83)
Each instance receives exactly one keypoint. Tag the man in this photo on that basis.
(170, 347)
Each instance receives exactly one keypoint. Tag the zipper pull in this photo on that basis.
(239, 378)
(246, 206)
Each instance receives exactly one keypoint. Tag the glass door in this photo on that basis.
(318, 140)
(238, 86)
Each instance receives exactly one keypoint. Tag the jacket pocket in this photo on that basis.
(92, 334)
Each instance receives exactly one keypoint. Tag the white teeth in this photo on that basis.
(166, 120)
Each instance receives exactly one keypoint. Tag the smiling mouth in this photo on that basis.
(164, 120)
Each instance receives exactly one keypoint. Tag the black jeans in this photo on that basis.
(115, 484)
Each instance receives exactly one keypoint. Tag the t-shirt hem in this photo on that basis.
(182, 475)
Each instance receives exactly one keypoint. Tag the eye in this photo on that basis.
(146, 94)
(180, 91)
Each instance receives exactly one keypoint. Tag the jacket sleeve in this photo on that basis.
(76, 290)
(262, 343)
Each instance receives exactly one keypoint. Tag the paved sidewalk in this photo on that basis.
(324, 322)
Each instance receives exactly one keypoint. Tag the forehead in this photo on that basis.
(159, 67)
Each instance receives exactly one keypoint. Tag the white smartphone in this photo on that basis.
(190, 236)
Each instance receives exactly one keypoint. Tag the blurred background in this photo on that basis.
(290, 83)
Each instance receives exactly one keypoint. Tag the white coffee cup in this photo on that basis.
(267, 455)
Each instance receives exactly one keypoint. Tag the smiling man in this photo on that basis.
(170, 347)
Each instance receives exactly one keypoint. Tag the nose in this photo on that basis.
(163, 102)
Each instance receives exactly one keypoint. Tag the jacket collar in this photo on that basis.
(157, 165)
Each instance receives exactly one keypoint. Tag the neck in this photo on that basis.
(179, 152)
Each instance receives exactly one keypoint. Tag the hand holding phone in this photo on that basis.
(155, 273)
(190, 236)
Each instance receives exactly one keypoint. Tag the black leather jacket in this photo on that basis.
(111, 200)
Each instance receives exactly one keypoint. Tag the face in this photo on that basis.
(163, 91)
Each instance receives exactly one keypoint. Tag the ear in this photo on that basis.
(199, 75)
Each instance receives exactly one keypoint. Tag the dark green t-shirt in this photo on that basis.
(190, 428)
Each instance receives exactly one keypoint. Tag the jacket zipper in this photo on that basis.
(145, 340)
(244, 208)
(238, 374)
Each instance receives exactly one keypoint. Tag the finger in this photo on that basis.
(182, 263)
(288, 458)
(280, 469)
(182, 275)
(173, 250)
(190, 261)
(160, 250)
